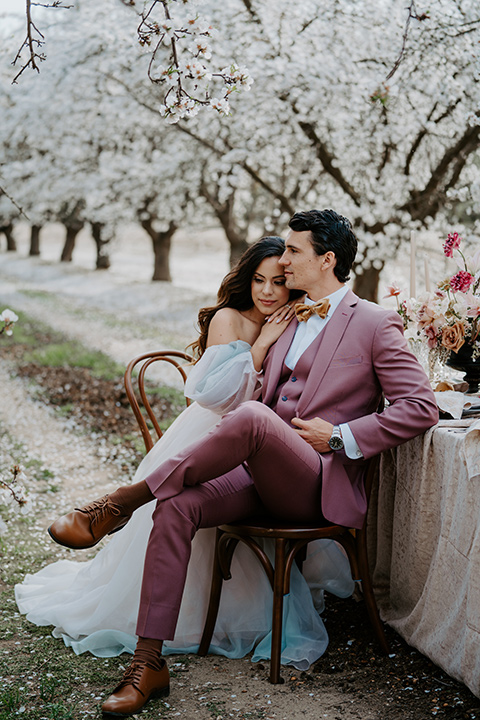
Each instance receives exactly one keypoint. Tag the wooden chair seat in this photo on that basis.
(290, 541)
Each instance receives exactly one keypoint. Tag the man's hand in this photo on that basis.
(316, 432)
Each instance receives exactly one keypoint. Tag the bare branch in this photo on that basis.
(412, 13)
(34, 39)
(20, 210)
(54, 4)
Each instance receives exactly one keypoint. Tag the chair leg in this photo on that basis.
(277, 613)
(214, 601)
(368, 595)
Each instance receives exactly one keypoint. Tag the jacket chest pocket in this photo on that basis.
(344, 361)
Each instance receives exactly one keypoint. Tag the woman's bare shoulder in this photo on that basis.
(226, 316)
(225, 327)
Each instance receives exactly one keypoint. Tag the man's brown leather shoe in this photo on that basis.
(140, 684)
(85, 527)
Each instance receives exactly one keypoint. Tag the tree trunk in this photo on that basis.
(238, 245)
(35, 240)
(103, 260)
(366, 284)
(236, 237)
(70, 237)
(7, 231)
(161, 248)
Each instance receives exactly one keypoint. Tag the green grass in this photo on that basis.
(70, 353)
(30, 332)
(48, 347)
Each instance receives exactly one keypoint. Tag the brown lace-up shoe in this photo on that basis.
(139, 684)
(85, 527)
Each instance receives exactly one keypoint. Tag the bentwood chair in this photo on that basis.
(137, 393)
(290, 541)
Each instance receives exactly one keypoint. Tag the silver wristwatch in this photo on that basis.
(336, 440)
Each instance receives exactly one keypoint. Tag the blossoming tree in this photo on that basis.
(321, 125)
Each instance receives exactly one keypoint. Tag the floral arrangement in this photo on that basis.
(448, 317)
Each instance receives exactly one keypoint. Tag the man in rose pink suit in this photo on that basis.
(299, 454)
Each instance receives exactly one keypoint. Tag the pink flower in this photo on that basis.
(472, 303)
(392, 290)
(425, 316)
(452, 243)
(431, 335)
(461, 281)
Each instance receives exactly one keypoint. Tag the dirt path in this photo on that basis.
(75, 461)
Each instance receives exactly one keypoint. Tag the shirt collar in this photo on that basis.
(335, 299)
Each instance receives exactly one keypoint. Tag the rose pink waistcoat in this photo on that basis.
(292, 382)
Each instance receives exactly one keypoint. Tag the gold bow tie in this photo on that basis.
(304, 312)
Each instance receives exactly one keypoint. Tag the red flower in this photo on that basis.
(451, 243)
(461, 281)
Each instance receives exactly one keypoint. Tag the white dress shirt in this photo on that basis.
(305, 334)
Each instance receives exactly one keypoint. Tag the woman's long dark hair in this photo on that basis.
(236, 288)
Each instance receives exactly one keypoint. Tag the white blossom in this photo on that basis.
(220, 104)
(8, 316)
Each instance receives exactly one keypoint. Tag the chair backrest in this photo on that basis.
(137, 391)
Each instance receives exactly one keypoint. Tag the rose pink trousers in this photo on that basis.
(207, 484)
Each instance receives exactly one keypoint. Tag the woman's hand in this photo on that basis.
(273, 327)
(276, 323)
(286, 312)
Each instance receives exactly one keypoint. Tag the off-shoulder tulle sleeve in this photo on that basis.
(224, 377)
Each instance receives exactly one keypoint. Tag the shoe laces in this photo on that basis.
(133, 674)
(98, 509)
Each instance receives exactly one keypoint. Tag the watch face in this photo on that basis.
(336, 442)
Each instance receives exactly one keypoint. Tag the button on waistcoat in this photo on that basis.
(292, 382)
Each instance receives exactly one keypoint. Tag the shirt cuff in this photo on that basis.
(351, 448)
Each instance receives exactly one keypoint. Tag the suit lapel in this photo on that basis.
(332, 335)
(274, 361)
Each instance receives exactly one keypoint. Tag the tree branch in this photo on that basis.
(34, 39)
(326, 158)
(412, 13)
(20, 210)
(427, 202)
(416, 143)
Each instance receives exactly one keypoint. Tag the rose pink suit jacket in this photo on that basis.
(362, 354)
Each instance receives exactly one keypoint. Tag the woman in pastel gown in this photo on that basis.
(93, 605)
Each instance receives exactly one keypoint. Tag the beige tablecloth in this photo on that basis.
(425, 546)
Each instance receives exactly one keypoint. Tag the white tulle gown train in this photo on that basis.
(93, 605)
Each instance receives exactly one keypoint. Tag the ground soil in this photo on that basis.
(351, 681)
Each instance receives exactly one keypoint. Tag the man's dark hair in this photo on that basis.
(329, 232)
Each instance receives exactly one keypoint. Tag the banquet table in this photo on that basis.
(424, 545)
